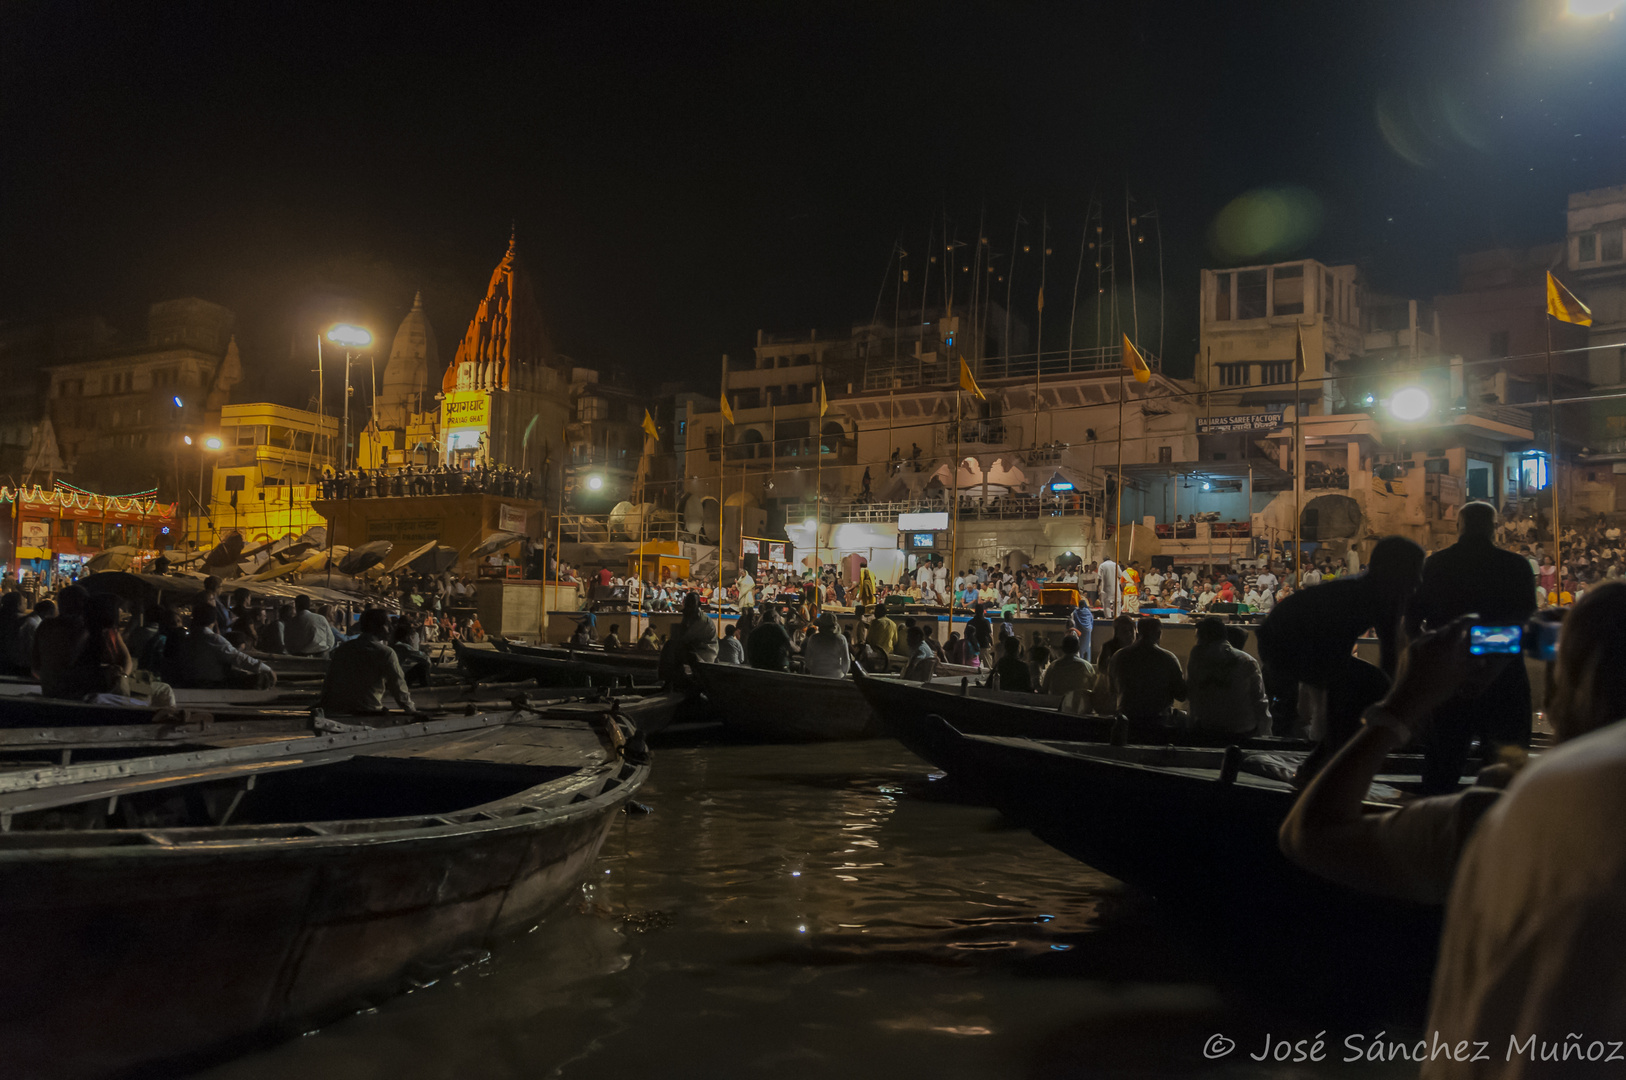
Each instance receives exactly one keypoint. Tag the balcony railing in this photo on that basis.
(1006, 507)
(934, 369)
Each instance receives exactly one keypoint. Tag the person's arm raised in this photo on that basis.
(1328, 831)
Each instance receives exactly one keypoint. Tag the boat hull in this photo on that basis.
(779, 706)
(184, 953)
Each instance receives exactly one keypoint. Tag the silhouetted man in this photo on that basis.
(1310, 637)
(1475, 577)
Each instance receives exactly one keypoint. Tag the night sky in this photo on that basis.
(684, 174)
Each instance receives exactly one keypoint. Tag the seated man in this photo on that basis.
(922, 662)
(363, 669)
(206, 659)
(1072, 674)
(307, 633)
(826, 653)
(269, 634)
(769, 644)
(1012, 670)
(1227, 691)
(1147, 677)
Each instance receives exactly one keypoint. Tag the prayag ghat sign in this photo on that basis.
(1218, 425)
(465, 409)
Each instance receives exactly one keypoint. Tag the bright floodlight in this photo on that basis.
(213, 442)
(595, 483)
(1410, 403)
(178, 403)
(351, 337)
(1589, 9)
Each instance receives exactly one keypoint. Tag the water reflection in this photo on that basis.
(807, 911)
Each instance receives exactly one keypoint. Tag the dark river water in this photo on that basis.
(825, 911)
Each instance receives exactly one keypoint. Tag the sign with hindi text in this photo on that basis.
(1219, 425)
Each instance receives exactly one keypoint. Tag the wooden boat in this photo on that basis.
(487, 665)
(164, 908)
(1197, 829)
(910, 713)
(781, 706)
(627, 658)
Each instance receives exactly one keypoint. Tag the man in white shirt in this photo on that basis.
(1154, 581)
(825, 653)
(1110, 588)
(1267, 581)
(307, 633)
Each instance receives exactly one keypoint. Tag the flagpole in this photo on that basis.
(1118, 511)
(1298, 470)
(1038, 348)
(954, 493)
(1552, 450)
(722, 470)
(818, 495)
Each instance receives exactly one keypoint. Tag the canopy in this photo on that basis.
(113, 558)
(364, 557)
(495, 542)
(413, 555)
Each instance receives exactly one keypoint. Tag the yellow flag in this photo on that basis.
(1564, 306)
(1298, 355)
(728, 413)
(824, 402)
(649, 426)
(968, 381)
(1135, 363)
(1041, 297)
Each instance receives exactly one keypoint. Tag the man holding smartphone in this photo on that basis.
(1475, 577)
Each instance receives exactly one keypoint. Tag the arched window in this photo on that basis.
(831, 437)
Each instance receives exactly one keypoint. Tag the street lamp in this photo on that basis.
(595, 483)
(214, 443)
(1410, 403)
(351, 338)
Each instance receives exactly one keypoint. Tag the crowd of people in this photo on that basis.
(84, 645)
(441, 480)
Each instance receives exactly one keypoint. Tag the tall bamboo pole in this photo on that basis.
(954, 494)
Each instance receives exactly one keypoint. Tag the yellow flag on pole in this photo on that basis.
(968, 382)
(1041, 297)
(1564, 306)
(728, 413)
(649, 427)
(1298, 355)
(824, 402)
(1135, 363)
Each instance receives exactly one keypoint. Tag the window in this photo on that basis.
(1611, 246)
(234, 483)
(1289, 298)
(1498, 343)
(1222, 297)
(71, 388)
(1436, 466)
(1250, 294)
(1233, 374)
(1587, 247)
(1165, 455)
(302, 441)
(116, 532)
(89, 533)
(64, 527)
(1276, 372)
(1326, 295)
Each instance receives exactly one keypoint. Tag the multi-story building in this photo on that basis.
(604, 440)
(1034, 461)
(1595, 256)
(123, 414)
(1340, 452)
(266, 473)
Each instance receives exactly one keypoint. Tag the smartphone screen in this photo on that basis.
(1495, 640)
